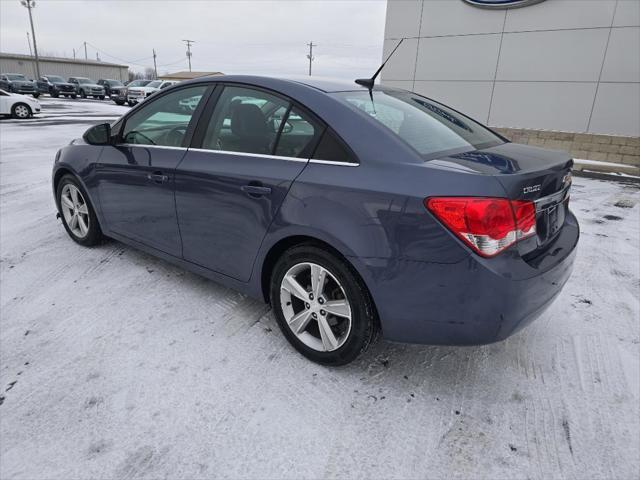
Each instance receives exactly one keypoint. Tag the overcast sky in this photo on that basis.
(237, 36)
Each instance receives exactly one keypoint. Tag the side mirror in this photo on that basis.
(98, 135)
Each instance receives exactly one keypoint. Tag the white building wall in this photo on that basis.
(568, 65)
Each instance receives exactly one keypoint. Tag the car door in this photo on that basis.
(136, 175)
(4, 82)
(5, 103)
(234, 177)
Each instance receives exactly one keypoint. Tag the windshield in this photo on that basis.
(114, 83)
(155, 84)
(138, 83)
(84, 80)
(53, 78)
(429, 127)
(16, 77)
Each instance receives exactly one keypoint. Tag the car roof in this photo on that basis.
(324, 84)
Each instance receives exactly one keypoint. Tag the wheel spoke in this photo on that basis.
(299, 322)
(291, 285)
(340, 308)
(74, 222)
(318, 275)
(67, 201)
(74, 195)
(329, 340)
(82, 224)
(83, 209)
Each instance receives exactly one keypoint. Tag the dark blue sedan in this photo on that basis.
(352, 211)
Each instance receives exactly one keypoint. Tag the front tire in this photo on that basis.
(21, 110)
(83, 94)
(36, 95)
(101, 97)
(74, 96)
(322, 306)
(77, 213)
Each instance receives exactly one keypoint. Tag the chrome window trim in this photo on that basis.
(334, 162)
(247, 154)
(144, 145)
(276, 157)
(552, 200)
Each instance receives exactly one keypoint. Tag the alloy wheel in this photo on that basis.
(75, 210)
(315, 307)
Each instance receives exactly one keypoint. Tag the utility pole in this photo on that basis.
(31, 53)
(85, 51)
(74, 53)
(189, 42)
(310, 56)
(29, 4)
(155, 67)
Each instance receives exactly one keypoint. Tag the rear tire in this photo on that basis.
(36, 95)
(131, 104)
(101, 97)
(351, 330)
(21, 110)
(74, 96)
(119, 102)
(85, 230)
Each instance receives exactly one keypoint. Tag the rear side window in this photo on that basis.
(432, 129)
(298, 135)
(333, 149)
(245, 120)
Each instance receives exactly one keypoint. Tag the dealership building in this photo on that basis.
(64, 67)
(557, 73)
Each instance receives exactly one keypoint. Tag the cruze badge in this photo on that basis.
(531, 189)
(497, 4)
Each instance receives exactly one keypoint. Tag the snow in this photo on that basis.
(114, 364)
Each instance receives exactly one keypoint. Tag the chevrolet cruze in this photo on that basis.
(351, 210)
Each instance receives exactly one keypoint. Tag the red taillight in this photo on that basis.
(488, 225)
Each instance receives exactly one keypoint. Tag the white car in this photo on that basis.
(138, 94)
(18, 106)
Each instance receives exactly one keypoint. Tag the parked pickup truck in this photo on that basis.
(18, 83)
(56, 86)
(138, 94)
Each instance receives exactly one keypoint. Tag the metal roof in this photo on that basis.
(19, 56)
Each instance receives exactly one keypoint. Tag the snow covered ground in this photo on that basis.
(116, 365)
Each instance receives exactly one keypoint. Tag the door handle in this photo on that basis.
(157, 177)
(256, 190)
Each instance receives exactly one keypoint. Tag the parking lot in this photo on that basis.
(114, 364)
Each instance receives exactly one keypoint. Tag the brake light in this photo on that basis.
(487, 225)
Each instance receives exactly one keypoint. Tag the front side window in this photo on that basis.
(164, 121)
(429, 127)
(245, 120)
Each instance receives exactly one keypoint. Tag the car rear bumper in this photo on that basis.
(473, 302)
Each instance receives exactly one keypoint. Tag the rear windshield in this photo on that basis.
(429, 127)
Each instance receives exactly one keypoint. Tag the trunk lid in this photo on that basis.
(526, 173)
